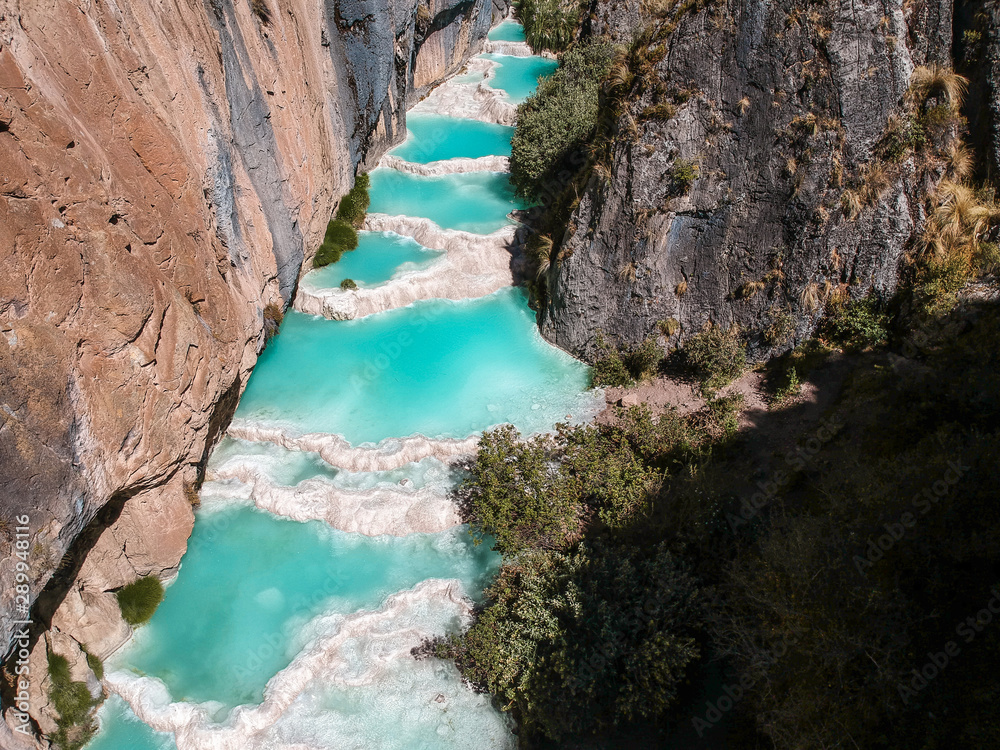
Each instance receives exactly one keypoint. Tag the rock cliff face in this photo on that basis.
(165, 169)
(723, 196)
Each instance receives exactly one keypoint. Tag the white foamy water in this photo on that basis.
(354, 685)
(473, 266)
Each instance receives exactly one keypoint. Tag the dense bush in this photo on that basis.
(341, 237)
(549, 24)
(354, 206)
(555, 123)
(715, 356)
(140, 599)
(73, 704)
(612, 369)
(857, 325)
(348, 285)
(513, 495)
(582, 641)
(609, 370)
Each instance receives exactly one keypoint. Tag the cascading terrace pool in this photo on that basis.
(326, 546)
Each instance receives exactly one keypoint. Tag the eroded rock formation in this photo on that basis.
(723, 195)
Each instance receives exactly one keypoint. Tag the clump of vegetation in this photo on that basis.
(348, 285)
(613, 369)
(342, 231)
(341, 237)
(261, 10)
(683, 173)
(857, 325)
(353, 207)
(580, 641)
(273, 315)
(781, 328)
(139, 600)
(73, 703)
(549, 24)
(789, 389)
(669, 327)
(609, 370)
(95, 663)
(715, 356)
(556, 122)
(954, 246)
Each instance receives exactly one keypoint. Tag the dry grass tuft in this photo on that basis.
(933, 80)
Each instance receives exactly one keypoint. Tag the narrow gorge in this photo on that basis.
(398, 374)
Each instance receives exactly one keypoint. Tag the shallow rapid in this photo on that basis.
(326, 546)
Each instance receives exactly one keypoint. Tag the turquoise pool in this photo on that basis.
(475, 202)
(378, 257)
(250, 582)
(518, 76)
(508, 31)
(437, 137)
(121, 730)
(437, 368)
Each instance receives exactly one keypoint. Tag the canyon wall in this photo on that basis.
(723, 197)
(166, 167)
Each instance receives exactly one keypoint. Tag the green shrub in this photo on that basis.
(348, 285)
(73, 703)
(781, 329)
(341, 237)
(140, 599)
(683, 173)
(549, 24)
(512, 496)
(584, 641)
(716, 357)
(790, 388)
(354, 206)
(556, 122)
(609, 370)
(95, 664)
(643, 362)
(857, 325)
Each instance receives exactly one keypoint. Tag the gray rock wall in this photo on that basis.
(779, 106)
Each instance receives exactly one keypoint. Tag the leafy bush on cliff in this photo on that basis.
(341, 237)
(139, 600)
(581, 641)
(550, 24)
(715, 356)
(857, 325)
(354, 206)
(557, 121)
(73, 704)
(613, 369)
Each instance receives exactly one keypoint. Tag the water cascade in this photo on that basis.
(326, 546)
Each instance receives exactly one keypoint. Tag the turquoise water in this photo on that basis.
(476, 202)
(508, 31)
(378, 257)
(437, 137)
(251, 580)
(438, 368)
(518, 76)
(254, 590)
(121, 730)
